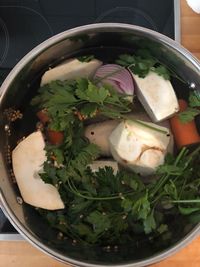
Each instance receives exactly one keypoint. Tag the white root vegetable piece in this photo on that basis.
(27, 159)
(141, 115)
(70, 70)
(139, 148)
(157, 96)
(98, 133)
(104, 163)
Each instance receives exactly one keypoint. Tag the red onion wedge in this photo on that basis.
(117, 76)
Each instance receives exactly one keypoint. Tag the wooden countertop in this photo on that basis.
(190, 29)
(22, 254)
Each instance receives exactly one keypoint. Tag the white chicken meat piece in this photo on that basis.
(28, 159)
(139, 148)
(70, 70)
(157, 96)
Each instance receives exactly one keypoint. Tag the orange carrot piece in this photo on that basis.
(42, 116)
(184, 133)
(55, 137)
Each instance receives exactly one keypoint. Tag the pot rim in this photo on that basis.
(7, 82)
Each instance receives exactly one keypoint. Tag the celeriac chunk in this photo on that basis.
(157, 96)
(139, 148)
(70, 70)
(28, 158)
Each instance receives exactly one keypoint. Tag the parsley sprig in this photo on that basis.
(142, 63)
(101, 203)
(103, 208)
(192, 110)
(63, 101)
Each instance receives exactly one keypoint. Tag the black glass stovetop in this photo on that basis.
(26, 23)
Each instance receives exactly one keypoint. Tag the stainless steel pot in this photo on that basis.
(17, 90)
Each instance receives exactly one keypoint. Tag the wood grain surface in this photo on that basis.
(190, 29)
(22, 254)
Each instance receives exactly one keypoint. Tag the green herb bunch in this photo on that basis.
(142, 62)
(103, 208)
(66, 101)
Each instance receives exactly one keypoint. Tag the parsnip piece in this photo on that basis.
(70, 70)
(139, 148)
(157, 96)
(27, 159)
(98, 133)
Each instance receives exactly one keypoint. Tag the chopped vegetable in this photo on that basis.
(157, 96)
(43, 116)
(185, 133)
(139, 148)
(99, 133)
(117, 76)
(55, 137)
(28, 159)
(71, 69)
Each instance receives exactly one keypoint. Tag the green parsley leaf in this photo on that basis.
(169, 169)
(86, 58)
(162, 228)
(171, 190)
(149, 223)
(162, 71)
(194, 99)
(189, 114)
(188, 210)
(100, 222)
(83, 230)
(89, 110)
(91, 92)
(141, 207)
(142, 63)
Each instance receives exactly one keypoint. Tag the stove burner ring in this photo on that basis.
(34, 11)
(6, 34)
(135, 11)
(7, 41)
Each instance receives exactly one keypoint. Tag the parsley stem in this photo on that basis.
(150, 127)
(165, 177)
(74, 190)
(117, 105)
(77, 193)
(172, 72)
(145, 125)
(186, 201)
